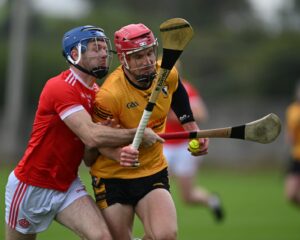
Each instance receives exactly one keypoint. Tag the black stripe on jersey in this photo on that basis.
(100, 112)
(157, 126)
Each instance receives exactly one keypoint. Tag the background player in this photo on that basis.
(292, 182)
(183, 166)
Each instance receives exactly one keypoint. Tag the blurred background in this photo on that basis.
(244, 59)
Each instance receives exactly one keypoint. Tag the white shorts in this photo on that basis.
(181, 162)
(31, 209)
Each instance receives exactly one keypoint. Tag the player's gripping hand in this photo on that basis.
(150, 137)
(129, 156)
(198, 147)
(110, 122)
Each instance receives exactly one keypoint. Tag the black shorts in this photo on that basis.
(294, 166)
(127, 191)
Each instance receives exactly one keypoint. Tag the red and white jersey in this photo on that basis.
(54, 152)
(173, 124)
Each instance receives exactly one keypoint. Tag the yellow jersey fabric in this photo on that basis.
(121, 100)
(293, 127)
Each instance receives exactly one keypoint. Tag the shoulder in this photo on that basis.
(64, 79)
(61, 86)
(113, 84)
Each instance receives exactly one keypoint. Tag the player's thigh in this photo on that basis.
(119, 218)
(84, 218)
(158, 214)
(12, 234)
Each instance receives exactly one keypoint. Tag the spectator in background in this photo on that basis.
(292, 181)
(182, 165)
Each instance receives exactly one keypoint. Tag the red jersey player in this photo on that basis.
(45, 185)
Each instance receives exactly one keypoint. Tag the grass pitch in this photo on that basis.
(254, 205)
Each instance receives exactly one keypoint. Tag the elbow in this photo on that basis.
(90, 143)
(94, 140)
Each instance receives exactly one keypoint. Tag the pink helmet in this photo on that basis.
(133, 38)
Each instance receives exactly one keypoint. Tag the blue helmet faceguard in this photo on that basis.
(79, 38)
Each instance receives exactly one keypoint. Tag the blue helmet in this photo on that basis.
(80, 36)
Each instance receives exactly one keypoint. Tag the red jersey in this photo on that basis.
(54, 152)
(173, 124)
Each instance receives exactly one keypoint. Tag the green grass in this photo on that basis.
(254, 204)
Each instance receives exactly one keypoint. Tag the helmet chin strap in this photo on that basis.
(98, 72)
(95, 72)
(144, 78)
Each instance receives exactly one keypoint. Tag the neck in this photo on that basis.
(88, 79)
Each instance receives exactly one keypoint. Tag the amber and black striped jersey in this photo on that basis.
(121, 100)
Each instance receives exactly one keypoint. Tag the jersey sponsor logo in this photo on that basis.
(184, 117)
(23, 222)
(165, 91)
(132, 104)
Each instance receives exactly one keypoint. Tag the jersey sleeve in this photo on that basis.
(105, 106)
(63, 98)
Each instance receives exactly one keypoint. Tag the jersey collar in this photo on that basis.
(80, 79)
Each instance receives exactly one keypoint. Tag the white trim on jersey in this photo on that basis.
(80, 80)
(71, 79)
(70, 110)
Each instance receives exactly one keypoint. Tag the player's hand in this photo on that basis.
(110, 122)
(129, 157)
(150, 137)
(202, 149)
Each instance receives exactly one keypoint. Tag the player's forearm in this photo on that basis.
(95, 135)
(111, 153)
(104, 136)
(190, 126)
(90, 156)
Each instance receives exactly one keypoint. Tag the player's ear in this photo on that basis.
(121, 59)
(74, 54)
